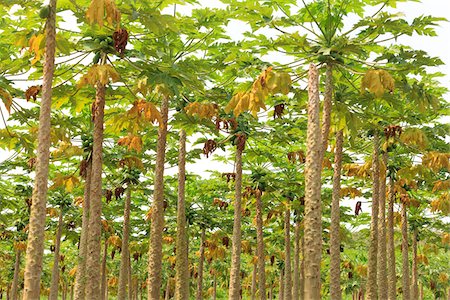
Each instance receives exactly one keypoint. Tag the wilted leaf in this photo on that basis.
(99, 74)
(97, 10)
(377, 82)
(7, 99)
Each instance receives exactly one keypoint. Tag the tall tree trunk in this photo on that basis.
(104, 275)
(80, 279)
(296, 279)
(421, 292)
(302, 268)
(287, 255)
(235, 275)
(415, 272)
(93, 289)
(130, 283)
(214, 287)
(313, 210)
(254, 274)
(335, 240)
(392, 276)
(405, 259)
(327, 103)
(157, 220)
(199, 294)
(15, 283)
(182, 263)
(55, 271)
(281, 286)
(372, 287)
(260, 246)
(124, 256)
(35, 244)
(167, 292)
(382, 261)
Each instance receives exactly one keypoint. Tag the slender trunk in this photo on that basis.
(80, 279)
(104, 277)
(392, 276)
(405, 259)
(71, 292)
(281, 286)
(415, 273)
(421, 292)
(93, 289)
(327, 103)
(260, 247)
(15, 283)
(302, 268)
(214, 287)
(124, 259)
(296, 279)
(199, 295)
(130, 283)
(157, 220)
(287, 255)
(55, 271)
(35, 245)
(372, 287)
(382, 261)
(235, 284)
(254, 274)
(271, 291)
(167, 295)
(335, 240)
(182, 263)
(313, 210)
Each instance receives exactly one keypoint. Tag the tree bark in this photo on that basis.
(372, 287)
(382, 260)
(124, 259)
(214, 287)
(313, 210)
(327, 103)
(15, 283)
(405, 259)
(287, 255)
(199, 294)
(281, 285)
(260, 247)
(35, 244)
(182, 263)
(130, 283)
(235, 284)
(167, 293)
(392, 276)
(157, 220)
(415, 272)
(104, 277)
(254, 274)
(302, 268)
(55, 271)
(80, 279)
(296, 278)
(93, 289)
(335, 240)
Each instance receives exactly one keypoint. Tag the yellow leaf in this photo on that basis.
(414, 137)
(436, 161)
(99, 74)
(7, 99)
(377, 82)
(36, 46)
(97, 10)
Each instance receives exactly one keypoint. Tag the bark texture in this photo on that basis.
(281, 285)
(254, 274)
(80, 279)
(95, 206)
(199, 295)
(157, 220)
(55, 271)
(15, 283)
(335, 240)
(392, 276)
(415, 272)
(235, 283)
(372, 286)
(182, 263)
(124, 256)
(405, 258)
(260, 247)
(296, 269)
(287, 255)
(382, 260)
(327, 103)
(103, 286)
(35, 244)
(313, 210)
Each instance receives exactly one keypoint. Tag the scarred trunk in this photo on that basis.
(327, 103)
(157, 220)
(104, 277)
(235, 284)
(260, 247)
(415, 272)
(35, 244)
(80, 279)
(372, 287)
(199, 295)
(15, 283)
(382, 263)
(296, 278)
(55, 271)
(335, 240)
(254, 274)
(95, 206)
(287, 255)
(405, 258)
(124, 256)
(182, 263)
(313, 210)
(392, 276)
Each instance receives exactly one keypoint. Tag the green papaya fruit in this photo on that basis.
(44, 12)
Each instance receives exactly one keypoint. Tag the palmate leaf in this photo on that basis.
(377, 82)
(99, 74)
(36, 45)
(436, 161)
(414, 137)
(133, 142)
(202, 110)
(7, 99)
(97, 10)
